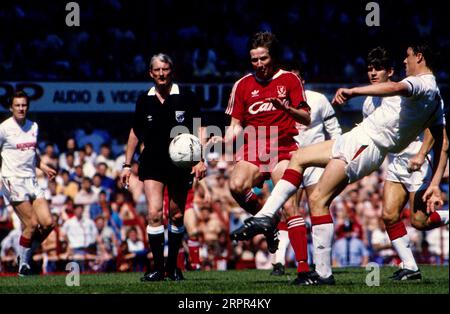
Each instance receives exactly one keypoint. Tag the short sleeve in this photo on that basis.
(330, 120)
(297, 92)
(235, 103)
(138, 121)
(415, 86)
(440, 113)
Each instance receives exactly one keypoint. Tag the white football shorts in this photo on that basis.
(311, 176)
(16, 189)
(413, 181)
(360, 153)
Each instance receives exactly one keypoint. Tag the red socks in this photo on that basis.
(297, 236)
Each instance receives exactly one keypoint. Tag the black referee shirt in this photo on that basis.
(153, 121)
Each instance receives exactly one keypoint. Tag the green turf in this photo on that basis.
(435, 280)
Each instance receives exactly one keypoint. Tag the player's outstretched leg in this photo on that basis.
(254, 226)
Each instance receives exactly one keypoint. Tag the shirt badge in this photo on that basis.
(179, 116)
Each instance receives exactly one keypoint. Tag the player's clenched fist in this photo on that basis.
(342, 95)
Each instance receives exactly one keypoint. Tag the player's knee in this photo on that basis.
(47, 227)
(315, 201)
(31, 227)
(390, 217)
(419, 224)
(155, 215)
(237, 186)
(177, 219)
(289, 210)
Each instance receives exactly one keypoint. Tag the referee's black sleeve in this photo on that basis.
(138, 119)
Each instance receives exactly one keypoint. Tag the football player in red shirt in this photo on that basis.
(264, 107)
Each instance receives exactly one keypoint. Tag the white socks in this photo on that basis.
(25, 254)
(280, 194)
(280, 254)
(402, 246)
(322, 236)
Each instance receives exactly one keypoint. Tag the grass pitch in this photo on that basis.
(348, 281)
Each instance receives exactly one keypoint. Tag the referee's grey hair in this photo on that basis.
(163, 58)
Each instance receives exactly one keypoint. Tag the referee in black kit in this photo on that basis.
(164, 107)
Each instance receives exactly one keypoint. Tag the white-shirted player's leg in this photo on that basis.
(314, 155)
(24, 211)
(331, 183)
(395, 197)
(45, 221)
(295, 222)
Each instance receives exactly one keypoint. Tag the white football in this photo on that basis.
(185, 150)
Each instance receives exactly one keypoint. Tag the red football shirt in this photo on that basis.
(248, 104)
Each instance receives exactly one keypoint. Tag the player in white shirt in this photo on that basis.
(355, 154)
(323, 122)
(18, 143)
(402, 184)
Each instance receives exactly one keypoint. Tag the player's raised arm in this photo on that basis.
(381, 90)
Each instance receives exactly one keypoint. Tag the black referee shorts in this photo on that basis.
(159, 167)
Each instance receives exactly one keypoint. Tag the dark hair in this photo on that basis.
(266, 40)
(19, 94)
(427, 53)
(379, 58)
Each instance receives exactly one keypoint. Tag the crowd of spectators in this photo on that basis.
(102, 226)
(206, 38)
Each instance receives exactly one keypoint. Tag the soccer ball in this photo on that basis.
(185, 150)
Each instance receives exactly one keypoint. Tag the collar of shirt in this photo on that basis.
(174, 90)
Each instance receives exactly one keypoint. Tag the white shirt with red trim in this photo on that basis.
(18, 148)
(395, 124)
